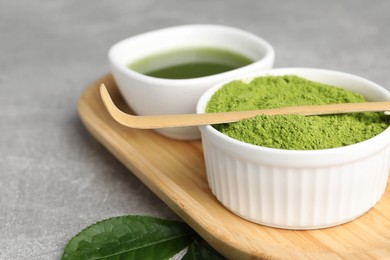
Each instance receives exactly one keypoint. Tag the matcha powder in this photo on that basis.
(294, 132)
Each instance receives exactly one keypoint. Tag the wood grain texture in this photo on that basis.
(175, 171)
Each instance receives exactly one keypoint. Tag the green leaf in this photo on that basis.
(130, 237)
(200, 250)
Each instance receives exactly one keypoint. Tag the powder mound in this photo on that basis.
(294, 132)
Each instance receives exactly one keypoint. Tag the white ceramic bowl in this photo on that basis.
(299, 189)
(151, 96)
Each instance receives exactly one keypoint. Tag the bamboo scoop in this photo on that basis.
(164, 121)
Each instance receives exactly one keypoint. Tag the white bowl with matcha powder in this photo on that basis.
(297, 172)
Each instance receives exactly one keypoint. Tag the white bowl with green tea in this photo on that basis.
(166, 71)
(291, 171)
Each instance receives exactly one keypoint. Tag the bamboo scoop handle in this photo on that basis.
(164, 121)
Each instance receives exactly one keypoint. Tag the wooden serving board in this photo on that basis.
(175, 171)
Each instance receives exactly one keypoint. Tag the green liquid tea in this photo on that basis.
(189, 63)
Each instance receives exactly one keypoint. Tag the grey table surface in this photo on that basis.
(55, 178)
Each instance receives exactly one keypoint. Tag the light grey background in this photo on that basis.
(55, 179)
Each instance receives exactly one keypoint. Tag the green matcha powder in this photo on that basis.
(294, 132)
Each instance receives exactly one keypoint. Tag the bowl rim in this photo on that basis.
(269, 53)
(381, 140)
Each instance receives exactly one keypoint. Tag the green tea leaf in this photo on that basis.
(200, 250)
(130, 237)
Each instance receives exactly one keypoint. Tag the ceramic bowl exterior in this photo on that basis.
(151, 96)
(299, 189)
